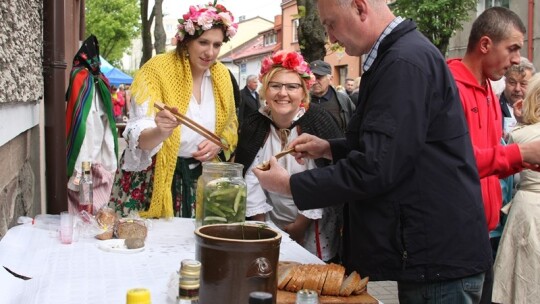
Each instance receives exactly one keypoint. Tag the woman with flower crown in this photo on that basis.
(286, 113)
(163, 158)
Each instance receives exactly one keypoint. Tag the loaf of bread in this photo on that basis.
(327, 280)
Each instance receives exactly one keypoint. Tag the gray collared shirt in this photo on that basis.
(372, 55)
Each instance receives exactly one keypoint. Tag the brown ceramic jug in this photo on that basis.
(236, 259)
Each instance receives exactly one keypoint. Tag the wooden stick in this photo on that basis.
(193, 125)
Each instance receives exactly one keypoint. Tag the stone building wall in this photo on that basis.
(21, 85)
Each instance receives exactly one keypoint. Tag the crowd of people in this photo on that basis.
(396, 174)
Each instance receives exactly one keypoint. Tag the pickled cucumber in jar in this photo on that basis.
(224, 201)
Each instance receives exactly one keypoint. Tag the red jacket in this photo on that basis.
(484, 118)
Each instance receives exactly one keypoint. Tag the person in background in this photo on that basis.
(286, 79)
(516, 80)
(162, 161)
(406, 167)
(355, 92)
(236, 91)
(517, 264)
(127, 90)
(494, 46)
(122, 91)
(514, 88)
(337, 103)
(349, 86)
(249, 98)
(118, 103)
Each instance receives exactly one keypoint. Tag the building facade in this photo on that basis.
(36, 37)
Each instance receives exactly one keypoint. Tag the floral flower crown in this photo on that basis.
(289, 60)
(201, 18)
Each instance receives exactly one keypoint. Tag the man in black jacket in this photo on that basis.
(249, 99)
(406, 166)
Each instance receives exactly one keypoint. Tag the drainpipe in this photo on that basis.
(530, 36)
(54, 68)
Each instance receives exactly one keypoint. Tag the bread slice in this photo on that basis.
(340, 277)
(291, 286)
(299, 277)
(349, 284)
(312, 278)
(333, 281)
(303, 276)
(322, 279)
(285, 274)
(362, 286)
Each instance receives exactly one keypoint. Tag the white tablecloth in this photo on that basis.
(83, 273)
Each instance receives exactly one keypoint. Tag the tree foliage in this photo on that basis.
(311, 34)
(436, 19)
(115, 23)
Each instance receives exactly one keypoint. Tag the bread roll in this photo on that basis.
(131, 229)
(106, 218)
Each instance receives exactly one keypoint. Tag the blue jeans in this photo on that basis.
(466, 290)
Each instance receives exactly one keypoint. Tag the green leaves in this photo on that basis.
(436, 19)
(115, 23)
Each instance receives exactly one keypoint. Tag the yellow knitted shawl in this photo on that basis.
(167, 78)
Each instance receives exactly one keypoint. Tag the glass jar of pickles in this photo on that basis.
(221, 194)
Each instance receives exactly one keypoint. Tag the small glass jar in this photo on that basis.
(221, 194)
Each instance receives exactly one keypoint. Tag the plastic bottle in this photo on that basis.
(260, 297)
(188, 287)
(307, 296)
(86, 189)
(138, 296)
